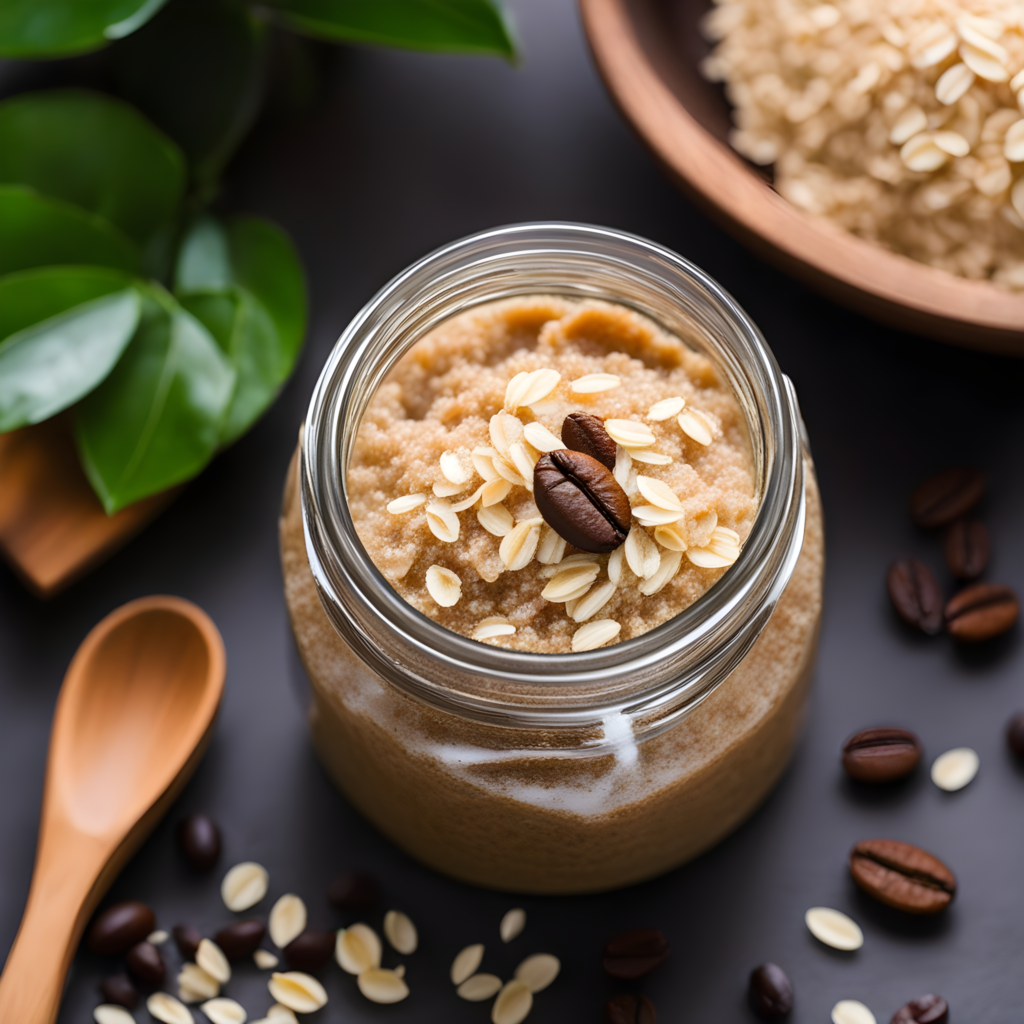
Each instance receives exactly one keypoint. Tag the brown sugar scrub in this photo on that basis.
(459, 474)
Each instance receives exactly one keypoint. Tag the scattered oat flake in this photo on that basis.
(406, 503)
(195, 984)
(466, 962)
(615, 565)
(851, 1011)
(834, 928)
(483, 462)
(167, 1009)
(479, 987)
(496, 520)
(623, 465)
(157, 938)
(666, 409)
(512, 924)
(224, 1011)
(670, 561)
(629, 433)
(595, 634)
(264, 959)
(288, 915)
(541, 438)
(657, 492)
(539, 385)
(953, 83)
(650, 515)
(514, 1002)
(566, 582)
(670, 537)
(514, 391)
(244, 886)
(380, 985)
(494, 626)
(523, 463)
(400, 932)
(504, 430)
(518, 547)
(442, 489)
(298, 991)
(551, 548)
(955, 768)
(443, 522)
(591, 603)
(446, 589)
(651, 458)
(357, 949)
(494, 491)
(538, 971)
(108, 1013)
(1013, 142)
(453, 468)
(641, 553)
(210, 957)
(279, 1012)
(593, 383)
(697, 426)
(507, 471)
(461, 506)
(983, 64)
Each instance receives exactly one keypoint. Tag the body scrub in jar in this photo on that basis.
(552, 548)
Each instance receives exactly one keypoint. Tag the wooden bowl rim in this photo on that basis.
(721, 177)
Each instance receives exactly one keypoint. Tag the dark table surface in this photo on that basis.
(406, 152)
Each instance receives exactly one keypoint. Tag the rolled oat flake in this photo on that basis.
(167, 1009)
(479, 987)
(513, 1004)
(287, 920)
(466, 963)
(244, 886)
(512, 924)
(380, 985)
(108, 1013)
(850, 1011)
(224, 1011)
(955, 768)
(297, 991)
(400, 932)
(834, 928)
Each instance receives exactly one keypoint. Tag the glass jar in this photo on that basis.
(539, 772)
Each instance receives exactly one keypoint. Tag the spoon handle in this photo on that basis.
(63, 894)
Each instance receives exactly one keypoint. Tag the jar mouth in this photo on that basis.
(678, 663)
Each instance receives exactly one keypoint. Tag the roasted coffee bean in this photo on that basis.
(354, 892)
(199, 839)
(980, 612)
(635, 953)
(946, 496)
(902, 876)
(120, 927)
(881, 755)
(630, 1010)
(967, 549)
(581, 501)
(119, 990)
(240, 939)
(145, 963)
(585, 433)
(1015, 734)
(310, 951)
(916, 595)
(770, 992)
(926, 1010)
(187, 939)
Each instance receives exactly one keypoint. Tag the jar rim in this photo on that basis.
(671, 667)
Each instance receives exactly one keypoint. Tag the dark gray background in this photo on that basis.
(407, 152)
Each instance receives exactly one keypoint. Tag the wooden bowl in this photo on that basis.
(648, 53)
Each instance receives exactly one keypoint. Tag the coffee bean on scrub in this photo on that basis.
(770, 992)
(633, 954)
(145, 963)
(1015, 735)
(881, 755)
(967, 549)
(119, 990)
(916, 595)
(946, 496)
(581, 501)
(310, 951)
(582, 432)
(354, 892)
(187, 939)
(120, 927)
(928, 1009)
(630, 1010)
(240, 939)
(199, 840)
(980, 612)
(902, 876)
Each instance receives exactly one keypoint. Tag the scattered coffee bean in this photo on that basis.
(187, 939)
(582, 432)
(981, 611)
(1015, 734)
(145, 963)
(581, 501)
(310, 951)
(926, 1010)
(967, 549)
(119, 990)
(770, 992)
(946, 496)
(199, 839)
(635, 953)
(902, 876)
(240, 939)
(916, 595)
(630, 1010)
(881, 755)
(121, 927)
(355, 892)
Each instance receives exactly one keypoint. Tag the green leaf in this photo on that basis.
(30, 296)
(204, 262)
(95, 152)
(38, 232)
(155, 421)
(455, 26)
(57, 28)
(51, 365)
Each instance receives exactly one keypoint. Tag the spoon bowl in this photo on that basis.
(133, 719)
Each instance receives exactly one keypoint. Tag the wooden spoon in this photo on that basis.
(133, 718)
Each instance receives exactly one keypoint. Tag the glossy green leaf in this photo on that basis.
(36, 232)
(51, 365)
(204, 261)
(156, 420)
(30, 296)
(57, 28)
(95, 152)
(454, 26)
